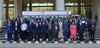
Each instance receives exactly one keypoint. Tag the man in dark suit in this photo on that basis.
(55, 30)
(50, 33)
(20, 21)
(13, 27)
(30, 31)
(16, 30)
(13, 22)
(44, 29)
(65, 30)
(69, 23)
(40, 29)
(36, 31)
(81, 30)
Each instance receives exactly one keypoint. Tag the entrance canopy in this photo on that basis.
(46, 13)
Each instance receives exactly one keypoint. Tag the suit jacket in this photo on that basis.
(56, 27)
(16, 26)
(9, 28)
(40, 27)
(86, 25)
(47, 27)
(65, 27)
(81, 27)
(44, 27)
(36, 27)
(30, 27)
(13, 22)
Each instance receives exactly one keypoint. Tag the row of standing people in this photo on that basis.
(53, 29)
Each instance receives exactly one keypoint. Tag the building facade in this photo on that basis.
(14, 8)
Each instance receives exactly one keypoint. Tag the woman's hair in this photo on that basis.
(73, 22)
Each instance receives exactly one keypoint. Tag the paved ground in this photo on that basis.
(50, 45)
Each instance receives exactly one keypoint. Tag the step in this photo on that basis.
(97, 38)
(3, 38)
(97, 33)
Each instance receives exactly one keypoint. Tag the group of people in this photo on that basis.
(75, 28)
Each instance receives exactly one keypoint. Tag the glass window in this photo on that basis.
(71, 4)
(4, 5)
(35, 8)
(72, 9)
(4, 16)
(83, 11)
(27, 8)
(42, 8)
(11, 5)
(11, 12)
(39, 5)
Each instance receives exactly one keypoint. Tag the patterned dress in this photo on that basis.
(61, 30)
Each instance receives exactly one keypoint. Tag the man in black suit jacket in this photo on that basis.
(36, 31)
(81, 30)
(40, 29)
(16, 30)
(44, 30)
(55, 30)
(30, 31)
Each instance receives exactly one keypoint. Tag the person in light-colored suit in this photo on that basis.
(61, 30)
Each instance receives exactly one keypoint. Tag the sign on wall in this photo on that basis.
(57, 13)
(32, 13)
(45, 13)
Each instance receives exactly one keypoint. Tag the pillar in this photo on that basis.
(1, 13)
(60, 5)
(96, 11)
(18, 7)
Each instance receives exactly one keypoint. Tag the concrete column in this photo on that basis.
(96, 11)
(18, 7)
(60, 5)
(1, 13)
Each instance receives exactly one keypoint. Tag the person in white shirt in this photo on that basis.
(24, 28)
